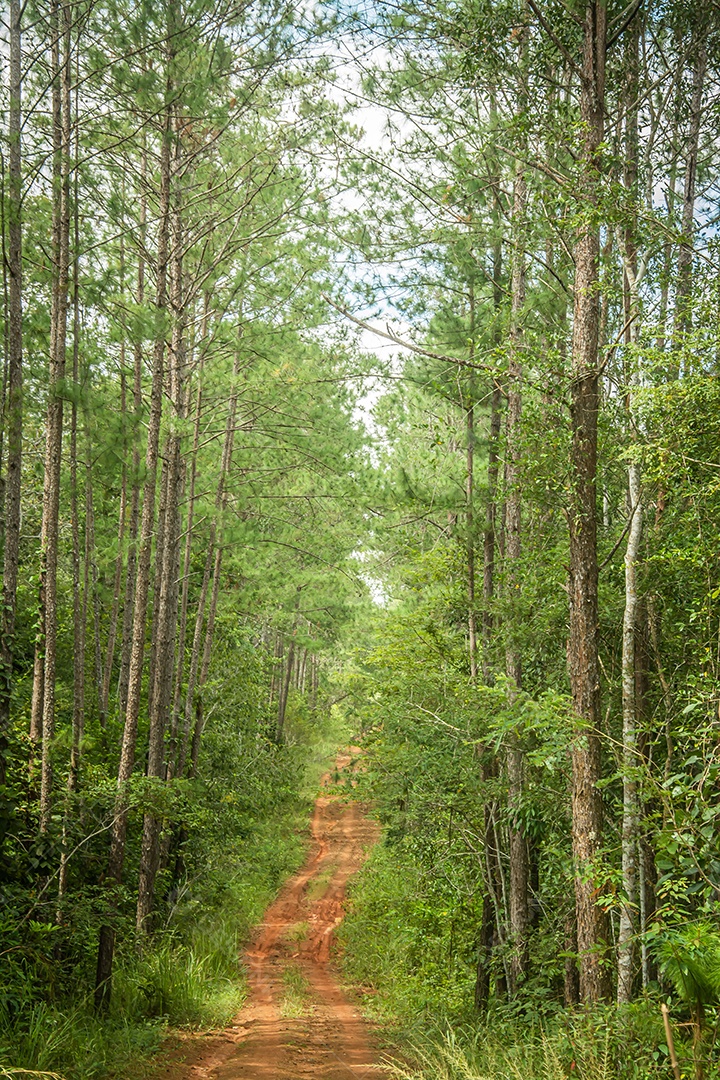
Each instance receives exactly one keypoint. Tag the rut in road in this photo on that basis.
(328, 1039)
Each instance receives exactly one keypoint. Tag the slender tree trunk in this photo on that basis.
(314, 679)
(470, 501)
(285, 686)
(195, 695)
(80, 587)
(492, 484)
(284, 689)
(94, 576)
(195, 652)
(519, 876)
(131, 571)
(44, 694)
(205, 666)
(106, 946)
(161, 539)
(180, 666)
(276, 678)
(683, 292)
(670, 199)
(14, 405)
(117, 582)
(631, 811)
(490, 908)
(168, 599)
(583, 663)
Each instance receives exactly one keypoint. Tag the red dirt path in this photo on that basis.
(329, 1039)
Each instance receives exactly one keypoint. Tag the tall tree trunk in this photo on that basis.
(162, 674)
(80, 588)
(161, 538)
(14, 404)
(284, 689)
(631, 811)
(492, 481)
(670, 200)
(131, 571)
(683, 292)
(119, 560)
(583, 663)
(205, 665)
(94, 575)
(519, 876)
(44, 695)
(194, 695)
(179, 742)
(314, 681)
(491, 909)
(106, 945)
(470, 501)
(630, 763)
(195, 653)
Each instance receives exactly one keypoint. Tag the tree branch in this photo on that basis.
(389, 335)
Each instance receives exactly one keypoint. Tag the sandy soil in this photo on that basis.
(297, 1023)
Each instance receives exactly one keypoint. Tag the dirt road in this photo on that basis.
(297, 1022)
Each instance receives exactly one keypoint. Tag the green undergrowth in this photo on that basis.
(189, 976)
(408, 950)
(246, 842)
(407, 946)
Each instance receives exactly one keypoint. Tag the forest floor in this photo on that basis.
(297, 1022)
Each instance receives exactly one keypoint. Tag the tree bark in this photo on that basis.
(683, 292)
(80, 588)
(314, 682)
(181, 647)
(119, 560)
(131, 570)
(470, 502)
(205, 666)
(491, 912)
(14, 403)
(631, 812)
(519, 876)
(492, 484)
(194, 695)
(106, 945)
(583, 663)
(167, 602)
(195, 652)
(44, 694)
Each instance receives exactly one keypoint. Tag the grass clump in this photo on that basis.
(605, 1044)
(297, 932)
(317, 887)
(45, 1040)
(296, 994)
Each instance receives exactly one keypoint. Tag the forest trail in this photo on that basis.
(297, 1023)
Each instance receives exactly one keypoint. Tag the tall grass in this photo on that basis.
(534, 1059)
(606, 1044)
(46, 1041)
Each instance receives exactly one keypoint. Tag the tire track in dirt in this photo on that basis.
(328, 1039)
